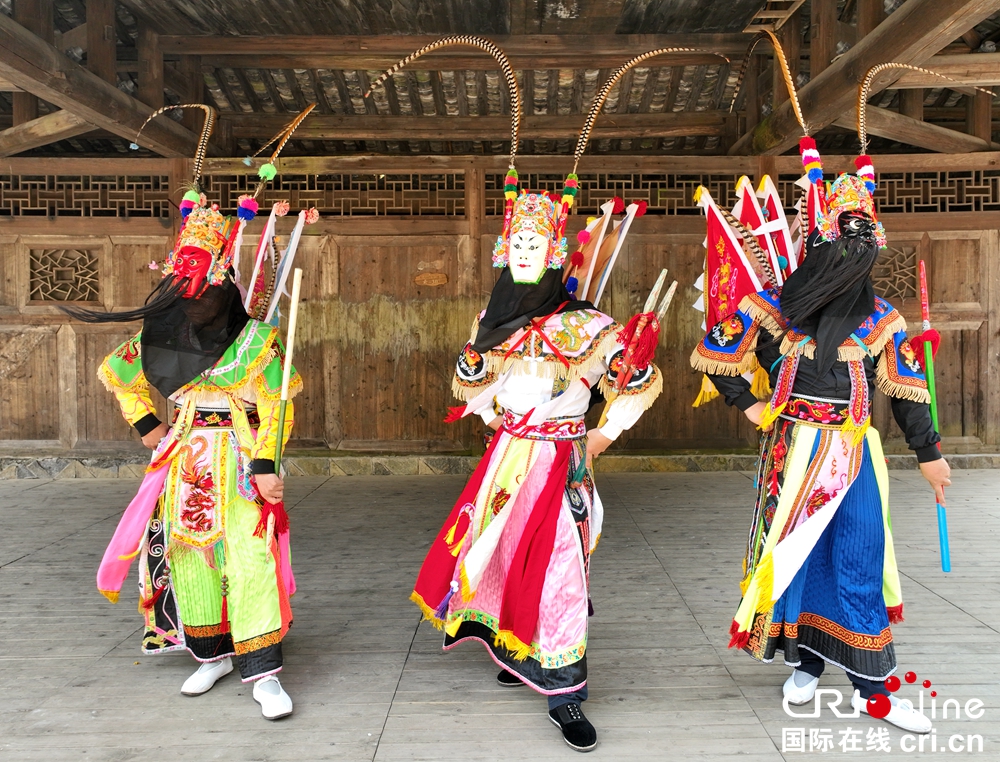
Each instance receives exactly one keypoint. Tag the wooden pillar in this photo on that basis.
(150, 66)
(790, 36)
(822, 35)
(102, 39)
(871, 13)
(189, 68)
(911, 103)
(35, 16)
(979, 115)
(751, 98)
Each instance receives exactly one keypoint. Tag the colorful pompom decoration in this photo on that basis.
(312, 215)
(866, 171)
(572, 284)
(247, 208)
(281, 208)
(576, 259)
(583, 237)
(642, 208)
(267, 172)
(190, 200)
(247, 160)
(619, 205)
(133, 146)
(782, 262)
(510, 184)
(810, 159)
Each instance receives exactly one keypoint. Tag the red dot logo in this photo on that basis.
(879, 706)
(892, 684)
(910, 677)
(927, 683)
(933, 694)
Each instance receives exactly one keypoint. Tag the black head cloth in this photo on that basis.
(181, 338)
(513, 306)
(830, 295)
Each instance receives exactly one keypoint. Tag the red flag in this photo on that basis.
(728, 275)
(779, 237)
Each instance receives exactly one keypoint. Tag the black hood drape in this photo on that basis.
(513, 305)
(182, 342)
(831, 294)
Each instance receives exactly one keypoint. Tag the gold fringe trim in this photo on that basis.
(764, 574)
(427, 611)
(466, 392)
(519, 650)
(762, 315)
(707, 393)
(551, 367)
(644, 398)
(713, 367)
(895, 389)
(849, 350)
(111, 595)
(855, 434)
(770, 415)
(761, 386)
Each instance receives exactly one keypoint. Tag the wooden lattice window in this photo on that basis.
(664, 194)
(85, 196)
(895, 273)
(418, 194)
(64, 275)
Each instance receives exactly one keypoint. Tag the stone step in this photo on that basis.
(132, 465)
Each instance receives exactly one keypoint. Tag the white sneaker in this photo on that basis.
(274, 702)
(801, 690)
(206, 676)
(902, 714)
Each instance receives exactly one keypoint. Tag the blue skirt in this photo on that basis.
(834, 606)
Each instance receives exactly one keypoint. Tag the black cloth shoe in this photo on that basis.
(508, 679)
(576, 728)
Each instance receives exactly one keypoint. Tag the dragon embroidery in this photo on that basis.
(196, 514)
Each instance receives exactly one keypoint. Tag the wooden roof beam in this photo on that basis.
(39, 68)
(475, 128)
(912, 34)
(910, 131)
(534, 51)
(982, 69)
(59, 125)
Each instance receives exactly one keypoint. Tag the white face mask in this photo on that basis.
(527, 256)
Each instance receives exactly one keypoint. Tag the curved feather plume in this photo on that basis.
(602, 94)
(282, 138)
(786, 74)
(206, 132)
(482, 44)
(864, 90)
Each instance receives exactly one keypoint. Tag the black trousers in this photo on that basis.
(814, 665)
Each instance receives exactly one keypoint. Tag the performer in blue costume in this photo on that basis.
(820, 580)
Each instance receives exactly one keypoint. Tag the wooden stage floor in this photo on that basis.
(370, 683)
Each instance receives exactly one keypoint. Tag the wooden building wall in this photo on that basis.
(399, 264)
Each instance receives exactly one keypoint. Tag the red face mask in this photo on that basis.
(192, 263)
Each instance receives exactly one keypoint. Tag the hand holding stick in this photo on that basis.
(925, 314)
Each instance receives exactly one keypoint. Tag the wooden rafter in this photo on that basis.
(905, 129)
(476, 128)
(39, 68)
(59, 125)
(912, 34)
(538, 51)
(981, 69)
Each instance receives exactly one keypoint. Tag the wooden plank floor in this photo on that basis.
(370, 683)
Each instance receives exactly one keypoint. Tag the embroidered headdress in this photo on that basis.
(534, 213)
